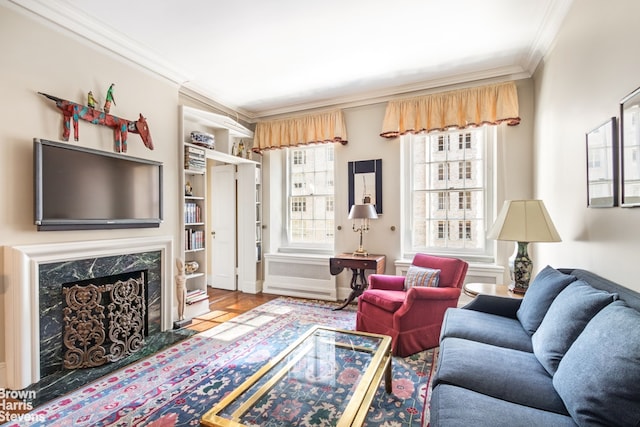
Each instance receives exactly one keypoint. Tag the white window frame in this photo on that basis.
(288, 246)
(487, 254)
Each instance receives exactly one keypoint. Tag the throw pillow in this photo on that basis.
(421, 276)
(567, 316)
(599, 377)
(544, 288)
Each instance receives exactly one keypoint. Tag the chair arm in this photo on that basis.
(492, 304)
(386, 282)
(424, 305)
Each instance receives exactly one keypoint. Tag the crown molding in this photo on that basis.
(452, 82)
(547, 33)
(89, 29)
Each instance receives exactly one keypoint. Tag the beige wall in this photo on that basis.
(594, 64)
(36, 58)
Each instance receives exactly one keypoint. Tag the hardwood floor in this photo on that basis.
(225, 305)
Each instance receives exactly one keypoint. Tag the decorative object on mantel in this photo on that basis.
(602, 165)
(523, 221)
(629, 144)
(91, 100)
(121, 127)
(109, 99)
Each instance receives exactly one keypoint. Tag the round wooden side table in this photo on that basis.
(475, 289)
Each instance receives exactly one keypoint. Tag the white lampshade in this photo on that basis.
(365, 211)
(524, 221)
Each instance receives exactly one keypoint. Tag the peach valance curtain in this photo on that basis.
(308, 129)
(491, 104)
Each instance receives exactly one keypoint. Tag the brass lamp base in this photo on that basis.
(360, 252)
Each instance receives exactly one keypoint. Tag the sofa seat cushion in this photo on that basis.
(506, 374)
(599, 376)
(389, 301)
(453, 406)
(567, 316)
(536, 301)
(487, 328)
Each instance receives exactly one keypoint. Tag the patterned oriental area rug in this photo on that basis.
(178, 385)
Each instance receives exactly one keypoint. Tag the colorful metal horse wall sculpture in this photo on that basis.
(121, 127)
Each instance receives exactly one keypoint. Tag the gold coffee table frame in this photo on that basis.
(356, 409)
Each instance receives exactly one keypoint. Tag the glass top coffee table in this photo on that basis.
(327, 377)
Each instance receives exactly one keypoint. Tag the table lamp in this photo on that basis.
(361, 214)
(523, 221)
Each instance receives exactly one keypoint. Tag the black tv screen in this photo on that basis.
(78, 188)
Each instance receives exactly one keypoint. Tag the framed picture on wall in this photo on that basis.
(630, 149)
(602, 165)
(365, 183)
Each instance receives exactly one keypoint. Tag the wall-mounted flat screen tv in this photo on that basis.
(78, 188)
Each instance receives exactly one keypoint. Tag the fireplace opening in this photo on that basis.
(105, 319)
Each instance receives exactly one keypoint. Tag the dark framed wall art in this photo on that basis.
(630, 149)
(602, 165)
(365, 183)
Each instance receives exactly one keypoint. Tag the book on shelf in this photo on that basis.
(194, 159)
(192, 213)
(194, 239)
(195, 295)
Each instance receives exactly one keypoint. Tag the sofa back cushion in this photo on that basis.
(544, 288)
(598, 378)
(421, 276)
(567, 316)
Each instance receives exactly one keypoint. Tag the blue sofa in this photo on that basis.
(567, 354)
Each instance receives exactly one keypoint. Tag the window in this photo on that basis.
(464, 230)
(464, 140)
(442, 200)
(443, 142)
(442, 230)
(310, 196)
(464, 200)
(437, 224)
(464, 170)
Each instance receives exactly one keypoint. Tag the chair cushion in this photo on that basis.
(567, 316)
(599, 376)
(541, 292)
(421, 276)
(387, 300)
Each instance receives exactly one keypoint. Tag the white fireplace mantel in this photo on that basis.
(21, 300)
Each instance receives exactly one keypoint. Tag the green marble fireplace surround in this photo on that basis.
(33, 298)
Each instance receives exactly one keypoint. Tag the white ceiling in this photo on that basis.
(267, 57)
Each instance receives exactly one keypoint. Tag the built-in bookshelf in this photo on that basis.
(198, 199)
(194, 244)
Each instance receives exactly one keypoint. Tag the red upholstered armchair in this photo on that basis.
(412, 317)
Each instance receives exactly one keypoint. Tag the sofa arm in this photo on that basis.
(501, 306)
(386, 282)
